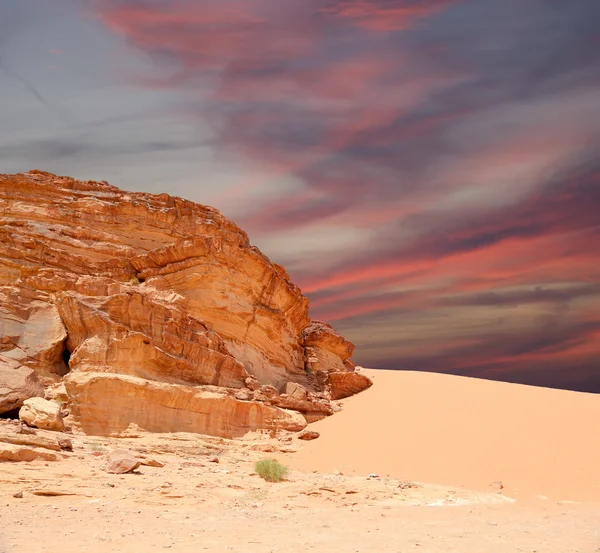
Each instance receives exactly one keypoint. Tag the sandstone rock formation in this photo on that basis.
(17, 383)
(153, 310)
(20, 443)
(17, 453)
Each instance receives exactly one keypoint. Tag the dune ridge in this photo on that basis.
(465, 432)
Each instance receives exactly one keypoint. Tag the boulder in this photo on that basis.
(322, 335)
(121, 461)
(42, 413)
(295, 391)
(345, 384)
(17, 383)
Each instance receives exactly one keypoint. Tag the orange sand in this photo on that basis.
(465, 432)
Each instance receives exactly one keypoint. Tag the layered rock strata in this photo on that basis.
(153, 310)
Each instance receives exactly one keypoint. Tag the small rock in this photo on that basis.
(269, 391)
(244, 394)
(18, 495)
(373, 475)
(497, 486)
(295, 390)
(52, 493)
(65, 444)
(252, 383)
(308, 435)
(121, 461)
(153, 463)
(406, 485)
(214, 460)
(266, 448)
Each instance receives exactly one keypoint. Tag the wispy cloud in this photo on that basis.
(32, 89)
(460, 136)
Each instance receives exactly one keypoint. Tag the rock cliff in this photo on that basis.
(157, 311)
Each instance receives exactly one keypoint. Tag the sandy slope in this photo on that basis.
(465, 432)
(412, 426)
(192, 504)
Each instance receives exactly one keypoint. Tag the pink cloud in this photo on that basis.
(393, 15)
(382, 135)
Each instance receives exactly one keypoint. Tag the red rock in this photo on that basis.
(323, 335)
(18, 453)
(346, 384)
(308, 435)
(17, 383)
(162, 312)
(121, 461)
(152, 463)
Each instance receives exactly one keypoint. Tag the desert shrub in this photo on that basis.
(271, 470)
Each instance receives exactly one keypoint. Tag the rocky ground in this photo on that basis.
(197, 493)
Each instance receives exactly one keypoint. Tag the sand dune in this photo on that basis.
(465, 432)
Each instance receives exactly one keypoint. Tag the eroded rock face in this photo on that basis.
(106, 404)
(17, 383)
(326, 349)
(161, 310)
(346, 384)
(18, 453)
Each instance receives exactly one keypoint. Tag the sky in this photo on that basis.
(428, 171)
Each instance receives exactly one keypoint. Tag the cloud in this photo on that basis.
(34, 90)
(47, 150)
(461, 139)
(388, 15)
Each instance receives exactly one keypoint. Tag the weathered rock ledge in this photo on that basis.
(153, 310)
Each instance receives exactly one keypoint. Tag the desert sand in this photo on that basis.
(405, 466)
(465, 432)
